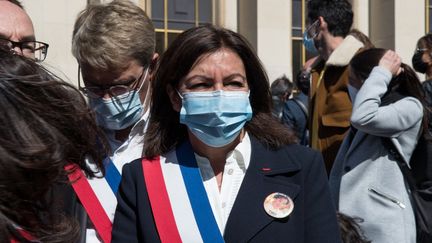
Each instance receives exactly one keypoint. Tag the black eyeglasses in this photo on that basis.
(113, 91)
(32, 49)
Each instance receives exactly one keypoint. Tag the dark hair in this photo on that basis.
(164, 130)
(350, 229)
(45, 125)
(425, 42)
(337, 13)
(406, 83)
(302, 81)
(281, 86)
(367, 43)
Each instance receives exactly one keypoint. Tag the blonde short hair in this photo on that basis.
(108, 36)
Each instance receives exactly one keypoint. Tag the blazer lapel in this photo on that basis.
(356, 140)
(248, 216)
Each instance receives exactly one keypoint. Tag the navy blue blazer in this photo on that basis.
(295, 170)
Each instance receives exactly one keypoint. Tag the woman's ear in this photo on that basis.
(175, 99)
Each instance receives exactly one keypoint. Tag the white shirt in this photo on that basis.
(132, 148)
(127, 152)
(235, 168)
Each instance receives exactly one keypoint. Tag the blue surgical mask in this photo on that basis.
(309, 42)
(215, 117)
(119, 112)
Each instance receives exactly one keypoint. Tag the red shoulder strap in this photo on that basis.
(94, 209)
(24, 234)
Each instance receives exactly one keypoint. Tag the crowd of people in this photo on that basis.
(195, 145)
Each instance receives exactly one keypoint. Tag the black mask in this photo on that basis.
(418, 64)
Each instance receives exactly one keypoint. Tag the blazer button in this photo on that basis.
(347, 168)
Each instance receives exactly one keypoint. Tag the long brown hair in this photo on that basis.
(45, 124)
(164, 129)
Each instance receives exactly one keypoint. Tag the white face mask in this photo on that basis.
(352, 92)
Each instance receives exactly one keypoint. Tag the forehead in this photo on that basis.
(111, 77)
(15, 24)
(223, 59)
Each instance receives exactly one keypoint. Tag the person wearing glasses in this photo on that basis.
(329, 22)
(17, 33)
(114, 44)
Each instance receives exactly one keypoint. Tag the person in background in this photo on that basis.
(114, 44)
(45, 126)
(216, 159)
(295, 111)
(17, 33)
(281, 90)
(372, 176)
(422, 63)
(329, 22)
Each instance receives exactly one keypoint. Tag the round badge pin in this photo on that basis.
(278, 205)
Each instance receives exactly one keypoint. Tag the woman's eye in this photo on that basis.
(235, 83)
(199, 85)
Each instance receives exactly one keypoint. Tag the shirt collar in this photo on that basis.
(241, 154)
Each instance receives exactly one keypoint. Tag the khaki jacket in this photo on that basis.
(330, 104)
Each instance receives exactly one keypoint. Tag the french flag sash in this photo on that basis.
(26, 235)
(98, 196)
(178, 199)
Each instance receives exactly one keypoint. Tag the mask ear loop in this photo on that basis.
(136, 92)
(147, 99)
(179, 94)
(143, 80)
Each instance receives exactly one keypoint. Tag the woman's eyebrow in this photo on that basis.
(235, 75)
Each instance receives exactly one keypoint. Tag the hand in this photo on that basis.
(392, 62)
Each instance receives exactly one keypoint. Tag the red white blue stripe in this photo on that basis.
(98, 195)
(178, 198)
(106, 187)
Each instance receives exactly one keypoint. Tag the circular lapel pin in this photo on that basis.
(278, 205)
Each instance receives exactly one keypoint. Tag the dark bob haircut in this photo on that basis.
(165, 131)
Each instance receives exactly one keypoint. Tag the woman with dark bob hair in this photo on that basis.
(365, 179)
(218, 167)
(45, 125)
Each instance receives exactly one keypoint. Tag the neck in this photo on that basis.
(331, 43)
(216, 156)
(122, 135)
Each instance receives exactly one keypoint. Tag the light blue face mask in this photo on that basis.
(309, 43)
(215, 117)
(119, 112)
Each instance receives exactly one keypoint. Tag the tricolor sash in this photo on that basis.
(98, 196)
(178, 199)
(26, 235)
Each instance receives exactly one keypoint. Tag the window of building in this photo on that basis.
(428, 13)
(299, 54)
(172, 17)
